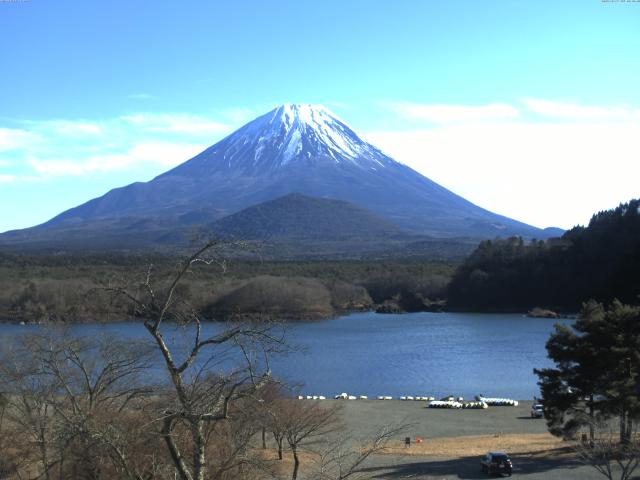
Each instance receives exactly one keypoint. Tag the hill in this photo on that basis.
(302, 218)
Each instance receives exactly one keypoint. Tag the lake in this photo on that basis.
(420, 354)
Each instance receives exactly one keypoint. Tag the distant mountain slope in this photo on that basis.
(292, 149)
(293, 227)
(298, 217)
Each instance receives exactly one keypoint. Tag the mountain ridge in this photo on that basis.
(293, 148)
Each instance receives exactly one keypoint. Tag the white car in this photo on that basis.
(537, 411)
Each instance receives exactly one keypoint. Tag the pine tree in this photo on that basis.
(597, 370)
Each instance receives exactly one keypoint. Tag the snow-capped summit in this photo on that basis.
(301, 149)
(296, 133)
(323, 131)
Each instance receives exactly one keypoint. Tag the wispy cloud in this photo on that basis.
(161, 154)
(176, 123)
(146, 143)
(75, 128)
(447, 113)
(442, 114)
(13, 138)
(575, 111)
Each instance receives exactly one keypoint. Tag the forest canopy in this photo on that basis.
(600, 261)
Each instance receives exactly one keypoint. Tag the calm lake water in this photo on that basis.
(433, 354)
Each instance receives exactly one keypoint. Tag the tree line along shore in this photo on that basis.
(66, 288)
(599, 261)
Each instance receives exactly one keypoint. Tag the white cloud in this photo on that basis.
(580, 112)
(524, 163)
(74, 128)
(55, 148)
(56, 167)
(541, 173)
(7, 178)
(443, 113)
(13, 139)
(176, 123)
(161, 154)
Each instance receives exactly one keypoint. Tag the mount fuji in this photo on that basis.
(301, 149)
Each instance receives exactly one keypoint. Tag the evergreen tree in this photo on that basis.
(597, 370)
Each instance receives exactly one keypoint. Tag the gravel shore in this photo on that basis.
(365, 416)
(439, 426)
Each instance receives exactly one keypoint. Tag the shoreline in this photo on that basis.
(283, 319)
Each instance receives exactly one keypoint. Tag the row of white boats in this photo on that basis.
(346, 396)
(481, 402)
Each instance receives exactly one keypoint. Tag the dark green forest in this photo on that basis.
(600, 261)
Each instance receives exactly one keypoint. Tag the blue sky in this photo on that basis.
(530, 109)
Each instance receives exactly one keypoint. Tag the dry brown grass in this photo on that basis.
(543, 444)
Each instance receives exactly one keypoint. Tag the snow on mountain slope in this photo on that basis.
(294, 134)
(324, 132)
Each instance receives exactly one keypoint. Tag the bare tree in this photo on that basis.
(29, 409)
(344, 458)
(267, 408)
(276, 418)
(304, 423)
(612, 458)
(66, 394)
(233, 455)
(272, 407)
(204, 379)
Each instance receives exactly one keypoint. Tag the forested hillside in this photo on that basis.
(600, 261)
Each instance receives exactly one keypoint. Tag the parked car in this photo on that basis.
(496, 463)
(537, 411)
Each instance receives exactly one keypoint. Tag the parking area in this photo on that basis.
(454, 440)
